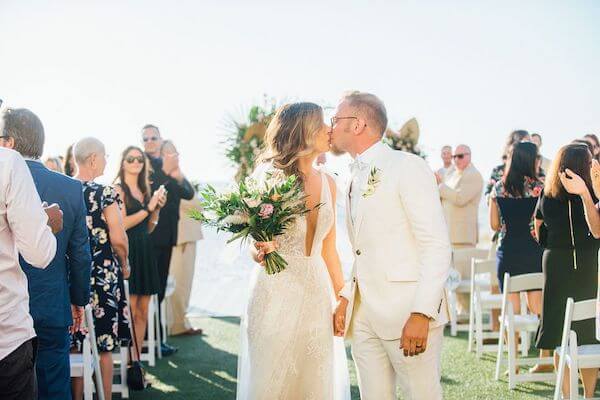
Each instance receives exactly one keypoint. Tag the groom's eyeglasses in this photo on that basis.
(334, 120)
(461, 156)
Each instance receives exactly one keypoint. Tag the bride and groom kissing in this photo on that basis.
(393, 309)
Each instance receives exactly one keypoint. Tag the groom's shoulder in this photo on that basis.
(405, 158)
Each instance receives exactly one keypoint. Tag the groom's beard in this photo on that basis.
(336, 151)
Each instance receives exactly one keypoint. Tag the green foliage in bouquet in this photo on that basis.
(258, 211)
(246, 140)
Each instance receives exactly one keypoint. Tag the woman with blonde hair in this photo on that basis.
(288, 347)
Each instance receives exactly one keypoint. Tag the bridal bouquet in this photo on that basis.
(260, 211)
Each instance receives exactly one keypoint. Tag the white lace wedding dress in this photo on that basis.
(288, 349)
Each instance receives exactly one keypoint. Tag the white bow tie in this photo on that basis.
(357, 165)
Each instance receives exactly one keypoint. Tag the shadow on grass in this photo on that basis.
(197, 371)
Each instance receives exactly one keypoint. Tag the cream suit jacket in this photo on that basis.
(400, 242)
(461, 194)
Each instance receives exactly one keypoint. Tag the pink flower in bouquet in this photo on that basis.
(537, 191)
(266, 210)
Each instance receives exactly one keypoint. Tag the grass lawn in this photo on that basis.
(205, 368)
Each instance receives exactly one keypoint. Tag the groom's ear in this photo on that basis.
(360, 126)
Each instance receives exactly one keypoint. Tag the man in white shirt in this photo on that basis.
(446, 156)
(24, 230)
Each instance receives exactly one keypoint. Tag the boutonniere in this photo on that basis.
(372, 182)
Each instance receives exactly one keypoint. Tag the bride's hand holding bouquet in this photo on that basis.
(260, 211)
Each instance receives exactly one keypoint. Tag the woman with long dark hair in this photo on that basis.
(512, 206)
(571, 244)
(140, 216)
(498, 171)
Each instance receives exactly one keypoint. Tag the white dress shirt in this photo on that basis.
(360, 171)
(24, 230)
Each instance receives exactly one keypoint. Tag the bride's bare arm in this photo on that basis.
(329, 253)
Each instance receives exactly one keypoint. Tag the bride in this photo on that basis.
(288, 348)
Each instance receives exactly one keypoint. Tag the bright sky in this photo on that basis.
(470, 72)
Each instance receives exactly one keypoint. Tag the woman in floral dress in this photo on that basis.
(109, 248)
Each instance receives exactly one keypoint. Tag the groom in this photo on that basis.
(393, 309)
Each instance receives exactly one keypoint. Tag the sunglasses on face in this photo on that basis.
(132, 159)
(150, 139)
(460, 156)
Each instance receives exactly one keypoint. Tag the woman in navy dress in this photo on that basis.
(512, 209)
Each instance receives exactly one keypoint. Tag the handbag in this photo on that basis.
(136, 375)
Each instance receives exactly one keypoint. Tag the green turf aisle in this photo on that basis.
(205, 369)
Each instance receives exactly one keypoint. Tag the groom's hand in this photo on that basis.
(339, 317)
(414, 335)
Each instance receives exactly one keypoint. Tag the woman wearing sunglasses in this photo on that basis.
(140, 216)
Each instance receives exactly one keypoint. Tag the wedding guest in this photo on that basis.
(498, 171)
(595, 143)
(140, 217)
(446, 156)
(69, 162)
(166, 172)
(512, 205)
(460, 191)
(110, 249)
(23, 229)
(58, 293)
(570, 259)
(183, 261)
(54, 164)
(545, 162)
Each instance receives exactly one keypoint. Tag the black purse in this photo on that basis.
(136, 375)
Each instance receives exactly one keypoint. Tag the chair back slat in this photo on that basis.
(585, 309)
(484, 266)
(521, 283)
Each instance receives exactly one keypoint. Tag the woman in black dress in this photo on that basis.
(512, 206)
(570, 260)
(109, 248)
(140, 216)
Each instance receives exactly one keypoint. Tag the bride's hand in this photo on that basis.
(262, 249)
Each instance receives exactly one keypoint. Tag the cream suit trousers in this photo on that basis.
(182, 268)
(381, 364)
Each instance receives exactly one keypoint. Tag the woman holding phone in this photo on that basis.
(140, 216)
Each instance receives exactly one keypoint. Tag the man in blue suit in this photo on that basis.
(58, 293)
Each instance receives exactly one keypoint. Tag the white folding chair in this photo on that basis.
(151, 345)
(165, 307)
(87, 363)
(483, 302)
(569, 354)
(523, 323)
(461, 260)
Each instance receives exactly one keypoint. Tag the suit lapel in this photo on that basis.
(349, 222)
(360, 203)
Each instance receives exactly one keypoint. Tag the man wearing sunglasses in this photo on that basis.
(461, 191)
(165, 171)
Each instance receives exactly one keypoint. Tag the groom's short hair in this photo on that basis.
(371, 106)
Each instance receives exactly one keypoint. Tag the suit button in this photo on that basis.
(358, 252)
(353, 280)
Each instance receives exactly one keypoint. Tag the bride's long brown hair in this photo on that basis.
(290, 136)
